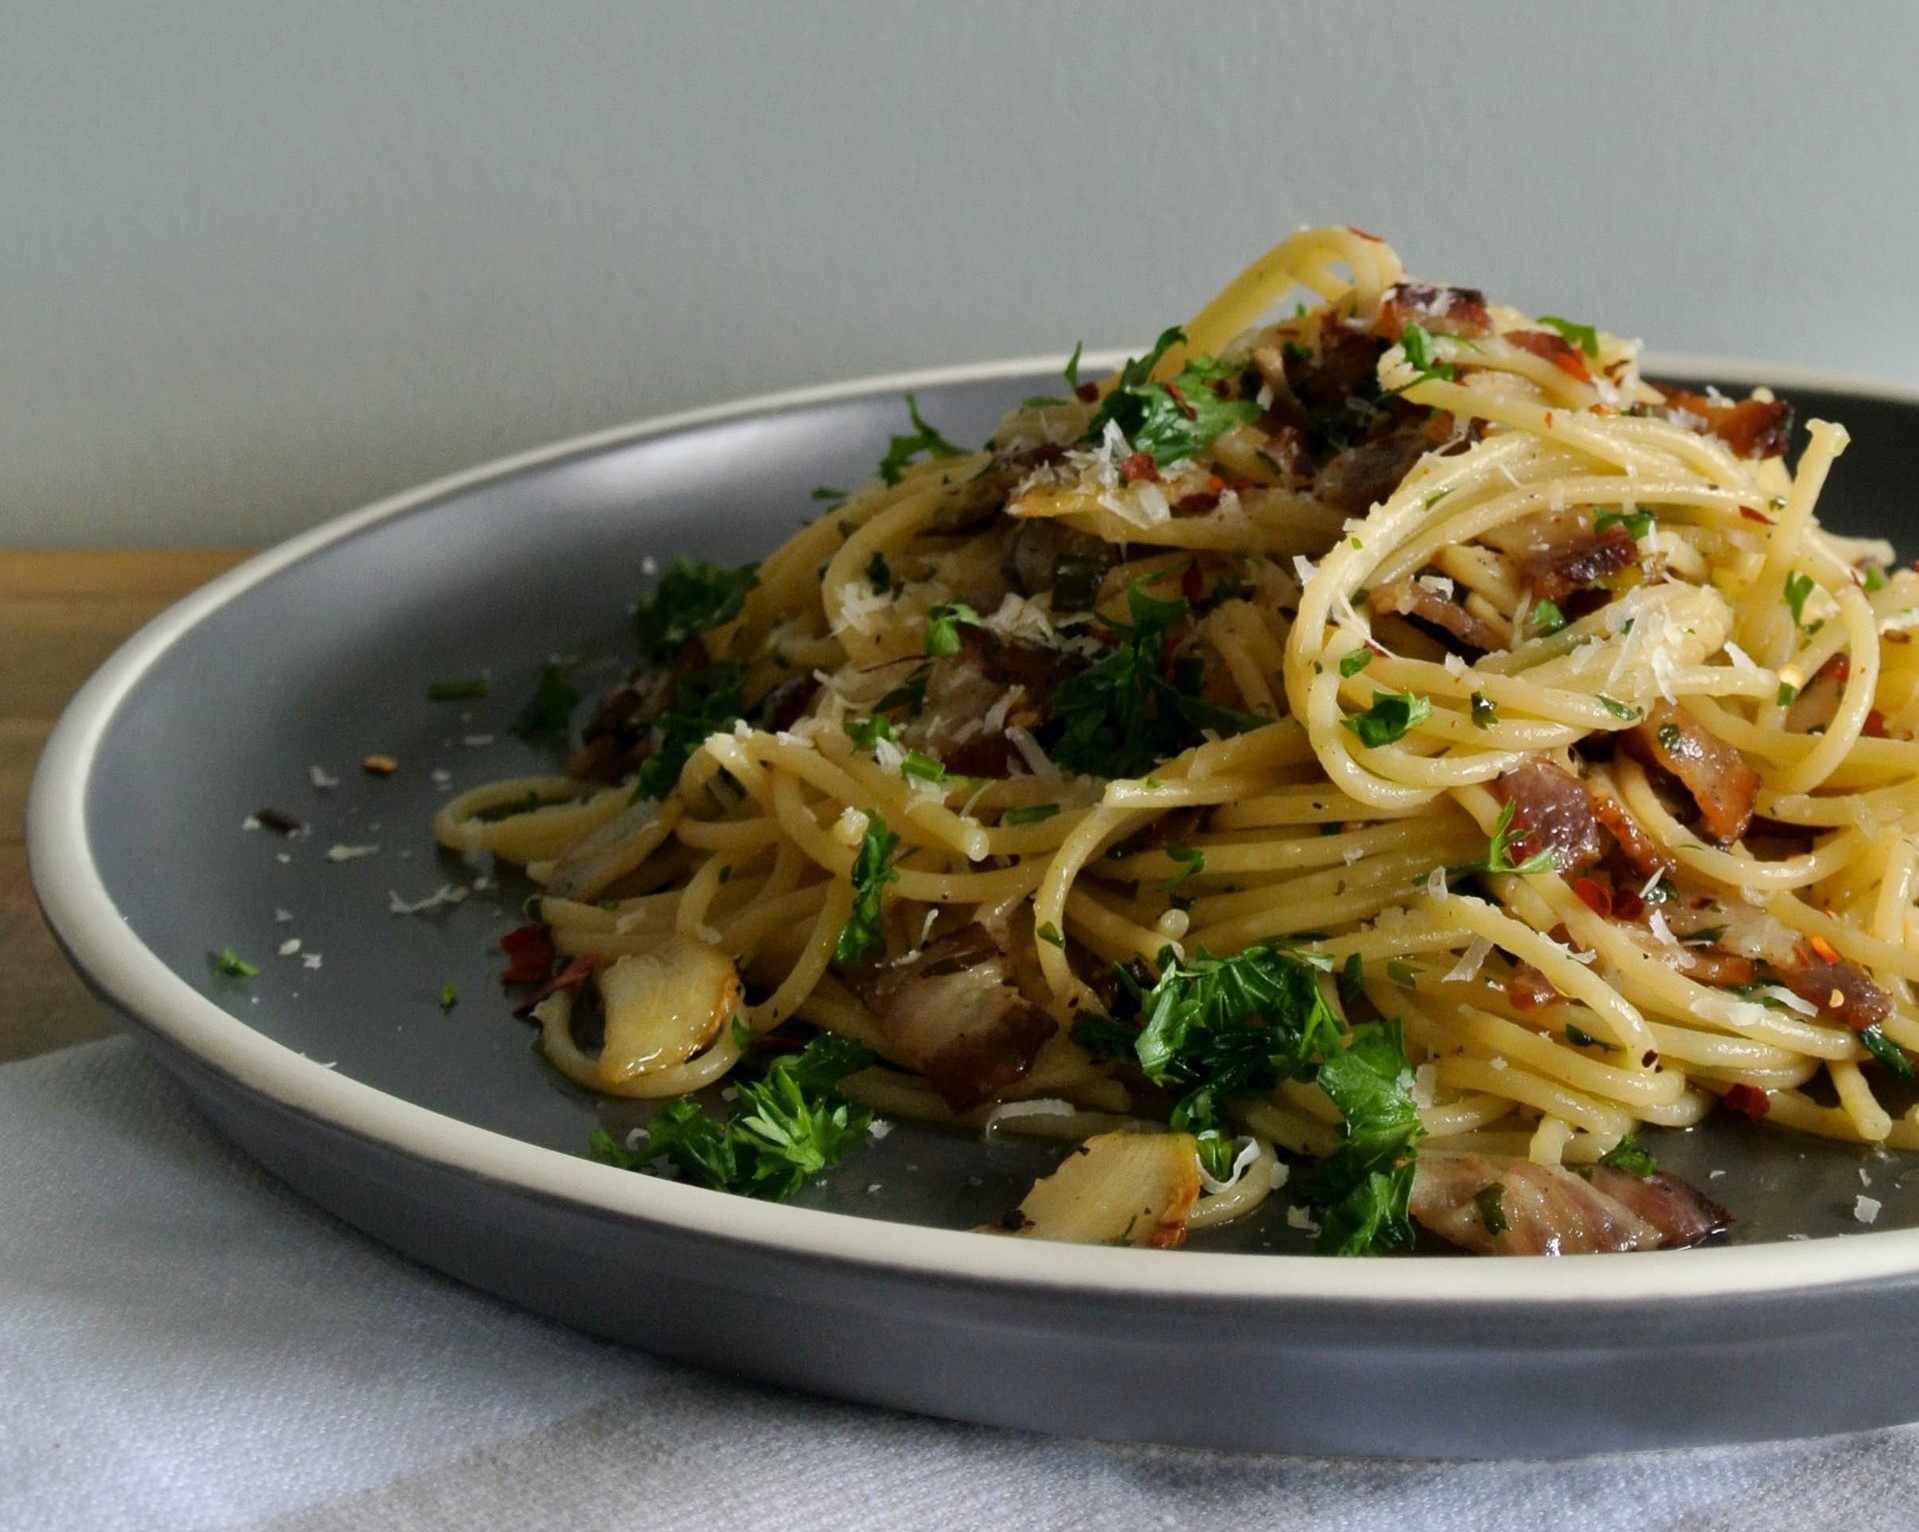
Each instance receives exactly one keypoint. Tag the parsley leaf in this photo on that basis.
(449, 996)
(1363, 1187)
(550, 709)
(942, 628)
(872, 871)
(1624, 711)
(1029, 814)
(1178, 418)
(1499, 850)
(1786, 694)
(1485, 714)
(1418, 346)
(691, 598)
(1628, 1156)
(865, 733)
(1072, 367)
(1798, 587)
(1125, 713)
(903, 449)
(704, 702)
(1885, 1050)
(233, 965)
(1547, 618)
(1355, 662)
(1388, 719)
(789, 1125)
(1873, 578)
(1191, 860)
(1636, 523)
(1584, 336)
(1489, 1201)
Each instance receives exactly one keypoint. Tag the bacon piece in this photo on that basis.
(964, 689)
(1754, 428)
(1639, 849)
(1440, 310)
(614, 741)
(1716, 774)
(1585, 558)
(1747, 1100)
(1554, 812)
(529, 953)
(1681, 1213)
(1408, 598)
(1820, 980)
(1037, 548)
(1360, 477)
(1556, 349)
(1528, 989)
(954, 1015)
(1721, 969)
(574, 973)
(1550, 1210)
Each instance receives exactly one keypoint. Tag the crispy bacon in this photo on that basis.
(1639, 849)
(615, 738)
(529, 954)
(1556, 349)
(965, 689)
(1840, 989)
(1717, 776)
(1440, 310)
(1551, 1210)
(1528, 989)
(1360, 477)
(1039, 549)
(1754, 428)
(1577, 561)
(1554, 812)
(1408, 598)
(954, 1014)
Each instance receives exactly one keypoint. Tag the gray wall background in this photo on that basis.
(261, 263)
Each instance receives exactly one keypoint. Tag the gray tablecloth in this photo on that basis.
(185, 1344)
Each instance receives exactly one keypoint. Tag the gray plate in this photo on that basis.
(441, 1133)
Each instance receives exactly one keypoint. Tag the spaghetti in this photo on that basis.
(1407, 643)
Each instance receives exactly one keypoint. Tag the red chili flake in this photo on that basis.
(529, 951)
(1875, 725)
(574, 973)
(1825, 949)
(1759, 516)
(1549, 420)
(1185, 406)
(1139, 466)
(1089, 392)
(1627, 904)
(1839, 668)
(1361, 233)
(1216, 485)
(1595, 896)
(1748, 1100)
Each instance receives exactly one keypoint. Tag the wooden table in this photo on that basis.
(61, 614)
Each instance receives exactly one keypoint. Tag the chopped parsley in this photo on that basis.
(704, 702)
(1355, 662)
(1579, 1037)
(1584, 336)
(1129, 711)
(1873, 578)
(1219, 1028)
(1798, 587)
(924, 767)
(1177, 419)
(456, 691)
(1389, 718)
(691, 598)
(233, 965)
(1625, 712)
(1636, 523)
(942, 628)
(1786, 694)
(865, 733)
(550, 709)
(1049, 933)
(1072, 366)
(1402, 973)
(872, 871)
(1885, 1050)
(1485, 715)
(449, 996)
(1547, 618)
(1499, 850)
(1029, 814)
(1418, 346)
(903, 449)
(1489, 1203)
(1627, 1155)
(1191, 860)
(789, 1125)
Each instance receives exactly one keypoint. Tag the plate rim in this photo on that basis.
(97, 939)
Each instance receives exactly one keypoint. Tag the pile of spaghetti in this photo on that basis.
(1397, 740)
